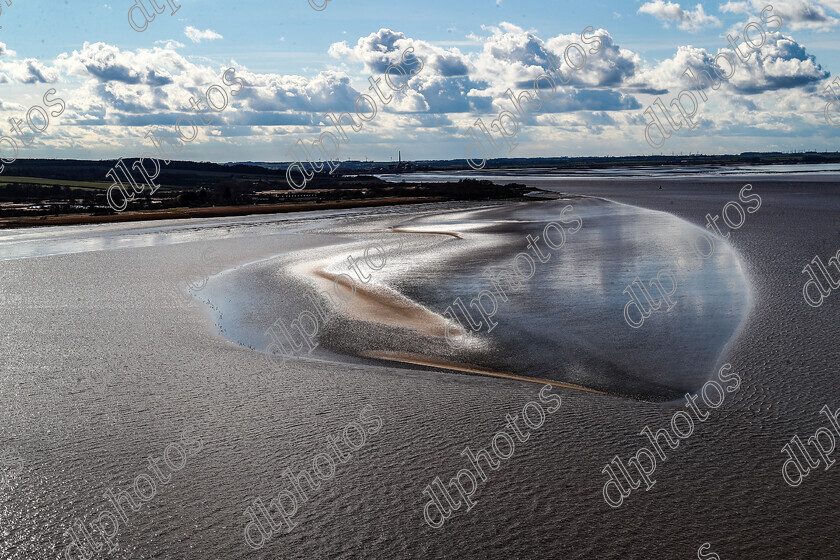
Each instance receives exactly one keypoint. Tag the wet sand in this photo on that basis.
(390, 308)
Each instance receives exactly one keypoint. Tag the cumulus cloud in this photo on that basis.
(108, 63)
(452, 82)
(796, 14)
(781, 63)
(29, 71)
(328, 91)
(668, 75)
(440, 87)
(196, 35)
(671, 12)
(611, 66)
(377, 51)
(515, 58)
(384, 48)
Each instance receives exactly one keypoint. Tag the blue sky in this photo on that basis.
(298, 63)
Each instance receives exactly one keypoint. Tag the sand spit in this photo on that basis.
(381, 304)
(430, 232)
(420, 360)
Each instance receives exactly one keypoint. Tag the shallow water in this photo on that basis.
(18, 243)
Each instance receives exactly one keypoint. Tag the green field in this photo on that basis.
(37, 181)
(84, 185)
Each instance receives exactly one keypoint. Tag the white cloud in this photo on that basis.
(687, 20)
(196, 35)
(4, 51)
(170, 44)
(29, 71)
(796, 14)
(780, 64)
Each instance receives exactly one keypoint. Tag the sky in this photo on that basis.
(298, 63)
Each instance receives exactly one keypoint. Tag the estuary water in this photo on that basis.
(102, 368)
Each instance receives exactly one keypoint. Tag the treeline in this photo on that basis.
(465, 189)
(53, 200)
